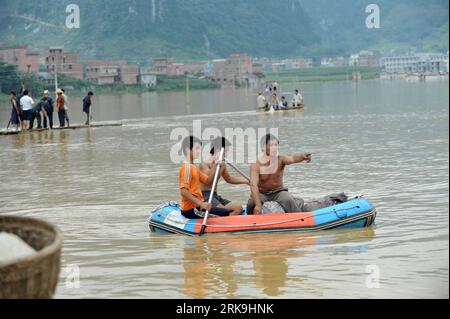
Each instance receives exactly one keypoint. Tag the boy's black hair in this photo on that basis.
(25, 92)
(90, 93)
(267, 138)
(189, 142)
(218, 143)
(13, 93)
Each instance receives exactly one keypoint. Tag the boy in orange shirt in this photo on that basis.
(192, 202)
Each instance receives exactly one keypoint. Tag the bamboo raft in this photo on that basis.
(72, 127)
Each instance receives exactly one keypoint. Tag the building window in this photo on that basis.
(70, 66)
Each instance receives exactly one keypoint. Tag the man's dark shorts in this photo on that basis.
(192, 214)
(217, 199)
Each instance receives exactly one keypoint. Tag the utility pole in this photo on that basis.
(188, 102)
(56, 72)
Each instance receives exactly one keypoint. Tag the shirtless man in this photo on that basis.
(208, 165)
(267, 178)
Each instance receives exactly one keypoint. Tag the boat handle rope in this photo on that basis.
(258, 225)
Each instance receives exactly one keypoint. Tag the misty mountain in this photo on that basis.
(138, 30)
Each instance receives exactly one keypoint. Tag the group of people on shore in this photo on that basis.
(26, 111)
(266, 179)
(276, 103)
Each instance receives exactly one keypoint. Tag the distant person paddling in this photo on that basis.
(87, 107)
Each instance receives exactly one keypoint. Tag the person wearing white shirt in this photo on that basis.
(262, 102)
(26, 103)
(297, 99)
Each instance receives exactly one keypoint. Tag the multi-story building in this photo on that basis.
(366, 59)
(102, 72)
(128, 73)
(162, 66)
(218, 71)
(416, 63)
(238, 65)
(63, 62)
(19, 56)
(110, 72)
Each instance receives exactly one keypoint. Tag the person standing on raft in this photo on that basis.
(60, 103)
(87, 104)
(15, 112)
(266, 178)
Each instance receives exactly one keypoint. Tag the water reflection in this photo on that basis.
(212, 264)
(90, 135)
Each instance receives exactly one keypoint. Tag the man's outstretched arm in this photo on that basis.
(289, 160)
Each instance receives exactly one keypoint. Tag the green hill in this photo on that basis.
(139, 30)
(405, 25)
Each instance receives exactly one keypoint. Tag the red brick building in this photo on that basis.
(19, 55)
(65, 62)
(110, 72)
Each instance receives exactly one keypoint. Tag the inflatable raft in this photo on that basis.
(356, 213)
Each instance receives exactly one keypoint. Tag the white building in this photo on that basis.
(148, 77)
(416, 63)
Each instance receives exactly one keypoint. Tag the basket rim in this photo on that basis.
(41, 254)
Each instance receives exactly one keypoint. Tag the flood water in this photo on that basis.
(387, 140)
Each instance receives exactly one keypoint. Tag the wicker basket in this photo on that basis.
(34, 276)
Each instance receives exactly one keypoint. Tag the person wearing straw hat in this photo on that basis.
(48, 108)
(60, 107)
(66, 107)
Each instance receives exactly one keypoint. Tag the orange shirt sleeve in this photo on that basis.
(185, 176)
(203, 177)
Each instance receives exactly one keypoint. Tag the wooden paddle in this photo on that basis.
(216, 178)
